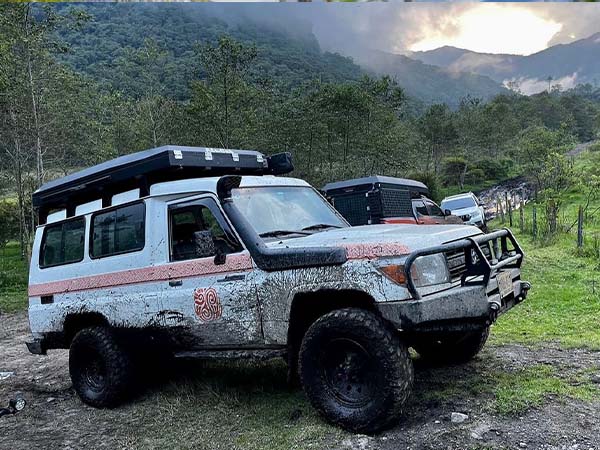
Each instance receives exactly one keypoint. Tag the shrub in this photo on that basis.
(430, 180)
(9, 222)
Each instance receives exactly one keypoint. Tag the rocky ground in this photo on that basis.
(55, 418)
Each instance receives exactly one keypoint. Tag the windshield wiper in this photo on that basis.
(319, 226)
(276, 233)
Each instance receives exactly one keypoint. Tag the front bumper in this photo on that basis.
(456, 308)
(474, 298)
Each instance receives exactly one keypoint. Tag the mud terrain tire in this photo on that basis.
(100, 368)
(453, 349)
(355, 370)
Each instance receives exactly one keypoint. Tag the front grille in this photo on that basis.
(465, 217)
(456, 261)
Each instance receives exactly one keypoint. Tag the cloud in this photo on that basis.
(530, 86)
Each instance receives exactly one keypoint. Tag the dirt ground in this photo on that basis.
(55, 418)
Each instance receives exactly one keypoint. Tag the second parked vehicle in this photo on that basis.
(378, 199)
(468, 207)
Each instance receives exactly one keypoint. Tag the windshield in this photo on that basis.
(458, 203)
(280, 210)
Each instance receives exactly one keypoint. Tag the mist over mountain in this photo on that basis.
(566, 64)
(430, 83)
(289, 53)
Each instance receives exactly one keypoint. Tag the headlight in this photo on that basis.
(430, 270)
(425, 271)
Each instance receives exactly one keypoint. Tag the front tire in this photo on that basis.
(454, 348)
(100, 368)
(355, 371)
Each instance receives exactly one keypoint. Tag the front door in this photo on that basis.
(211, 295)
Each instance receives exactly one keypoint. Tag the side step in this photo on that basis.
(257, 354)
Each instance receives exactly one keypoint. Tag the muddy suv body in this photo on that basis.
(254, 265)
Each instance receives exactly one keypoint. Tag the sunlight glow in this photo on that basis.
(493, 29)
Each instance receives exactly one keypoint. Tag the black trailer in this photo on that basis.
(379, 199)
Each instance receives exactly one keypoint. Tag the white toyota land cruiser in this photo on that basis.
(204, 253)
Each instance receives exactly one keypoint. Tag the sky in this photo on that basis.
(514, 28)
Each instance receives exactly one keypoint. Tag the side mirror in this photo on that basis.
(220, 257)
(447, 212)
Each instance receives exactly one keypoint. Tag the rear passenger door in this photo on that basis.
(211, 289)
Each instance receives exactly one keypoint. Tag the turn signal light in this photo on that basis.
(394, 272)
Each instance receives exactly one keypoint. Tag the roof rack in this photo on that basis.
(142, 169)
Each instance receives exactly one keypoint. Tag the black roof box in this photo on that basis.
(375, 181)
(142, 169)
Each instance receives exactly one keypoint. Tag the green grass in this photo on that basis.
(564, 303)
(13, 279)
(516, 392)
(232, 406)
(502, 390)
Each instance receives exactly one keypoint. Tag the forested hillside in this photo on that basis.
(288, 55)
(71, 97)
(103, 47)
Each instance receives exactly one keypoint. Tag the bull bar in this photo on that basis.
(476, 263)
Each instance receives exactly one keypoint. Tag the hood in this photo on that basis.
(381, 240)
(462, 211)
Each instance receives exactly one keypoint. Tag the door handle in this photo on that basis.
(174, 283)
(227, 278)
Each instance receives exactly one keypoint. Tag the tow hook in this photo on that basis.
(525, 286)
(494, 308)
(15, 405)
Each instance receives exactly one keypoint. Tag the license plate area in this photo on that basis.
(505, 283)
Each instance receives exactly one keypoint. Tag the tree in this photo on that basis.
(437, 127)
(220, 101)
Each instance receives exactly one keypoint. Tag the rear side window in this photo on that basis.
(434, 209)
(120, 230)
(63, 243)
(420, 208)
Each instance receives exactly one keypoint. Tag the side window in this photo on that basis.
(120, 230)
(419, 208)
(63, 243)
(197, 233)
(434, 210)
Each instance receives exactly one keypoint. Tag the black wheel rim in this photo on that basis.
(93, 371)
(349, 371)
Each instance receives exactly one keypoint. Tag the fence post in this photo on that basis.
(522, 217)
(580, 227)
(552, 214)
(510, 215)
(534, 229)
(501, 209)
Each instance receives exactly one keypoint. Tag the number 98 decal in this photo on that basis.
(207, 305)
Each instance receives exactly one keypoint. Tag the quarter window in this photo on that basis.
(63, 243)
(120, 230)
(420, 208)
(434, 209)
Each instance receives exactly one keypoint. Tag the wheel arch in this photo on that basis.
(307, 307)
(75, 322)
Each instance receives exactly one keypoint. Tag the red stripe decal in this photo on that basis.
(199, 267)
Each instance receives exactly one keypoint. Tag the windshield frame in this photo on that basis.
(300, 231)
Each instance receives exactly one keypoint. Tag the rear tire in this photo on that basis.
(455, 348)
(355, 371)
(100, 368)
